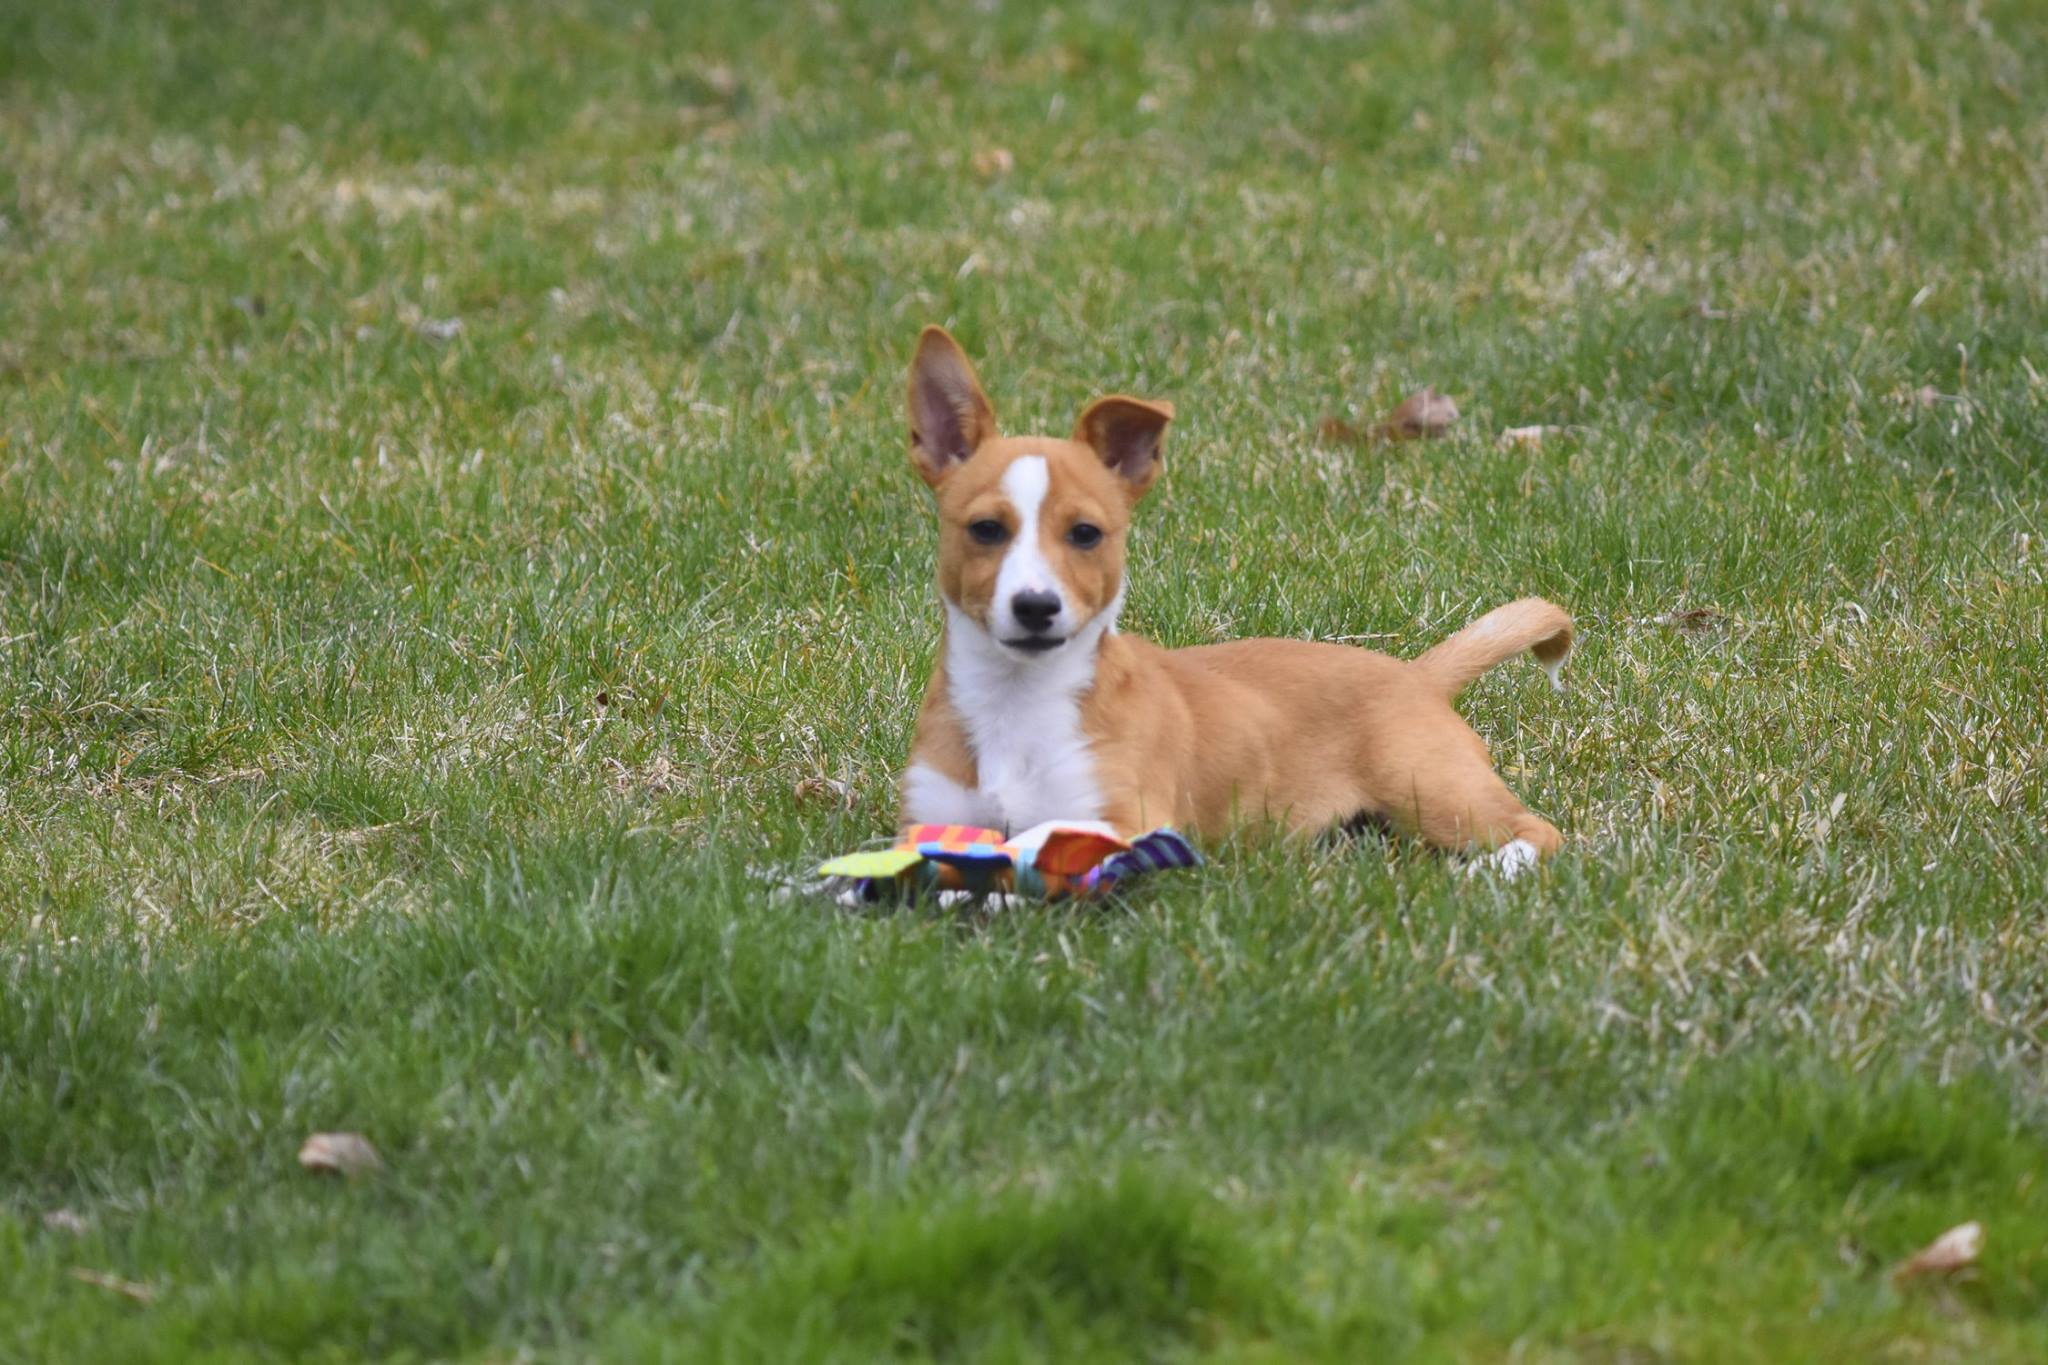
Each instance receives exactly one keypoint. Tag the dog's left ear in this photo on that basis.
(1127, 434)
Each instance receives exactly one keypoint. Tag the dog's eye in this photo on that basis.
(1084, 536)
(988, 531)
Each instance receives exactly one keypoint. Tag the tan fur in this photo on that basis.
(1301, 734)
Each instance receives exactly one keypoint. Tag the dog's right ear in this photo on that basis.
(949, 414)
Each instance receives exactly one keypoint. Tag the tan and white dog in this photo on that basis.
(1039, 710)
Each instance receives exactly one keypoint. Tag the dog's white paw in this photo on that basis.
(1510, 860)
(990, 902)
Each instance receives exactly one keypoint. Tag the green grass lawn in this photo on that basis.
(453, 496)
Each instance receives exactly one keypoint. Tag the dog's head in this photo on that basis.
(1031, 528)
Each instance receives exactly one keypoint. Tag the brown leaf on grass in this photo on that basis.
(1954, 1250)
(824, 789)
(1423, 413)
(348, 1154)
(993, 163)
(127, 1289)
(1698, 618)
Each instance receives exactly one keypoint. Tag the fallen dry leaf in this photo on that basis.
(824, 789)
(99, 1279)
(1698, 618)
(1528, 436)
(1952, 1251)
(993, 163)
(658, 776)
(348, 1154)
(66, 1220)
(1423, 413)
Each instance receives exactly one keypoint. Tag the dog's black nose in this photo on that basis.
(1034, 610)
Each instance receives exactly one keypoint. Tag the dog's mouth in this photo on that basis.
(1035, 644)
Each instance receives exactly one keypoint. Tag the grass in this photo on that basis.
(400, 721)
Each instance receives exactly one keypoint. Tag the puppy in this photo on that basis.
(1038, 709)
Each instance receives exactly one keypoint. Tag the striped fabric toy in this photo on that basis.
(1059, 860)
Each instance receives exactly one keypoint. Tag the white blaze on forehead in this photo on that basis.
(1025, 567)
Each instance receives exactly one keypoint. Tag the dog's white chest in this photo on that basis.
(1033, 761)
(1035, 764)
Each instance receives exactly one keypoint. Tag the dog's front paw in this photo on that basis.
(990, 902)
(1510, 860)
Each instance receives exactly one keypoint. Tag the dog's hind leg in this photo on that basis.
(1436, 781)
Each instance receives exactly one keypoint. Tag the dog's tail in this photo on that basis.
(1531, 624)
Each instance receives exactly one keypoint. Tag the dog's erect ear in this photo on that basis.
(1127, 434)
(949, 414)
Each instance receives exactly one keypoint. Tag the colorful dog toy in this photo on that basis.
(1059, 860)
